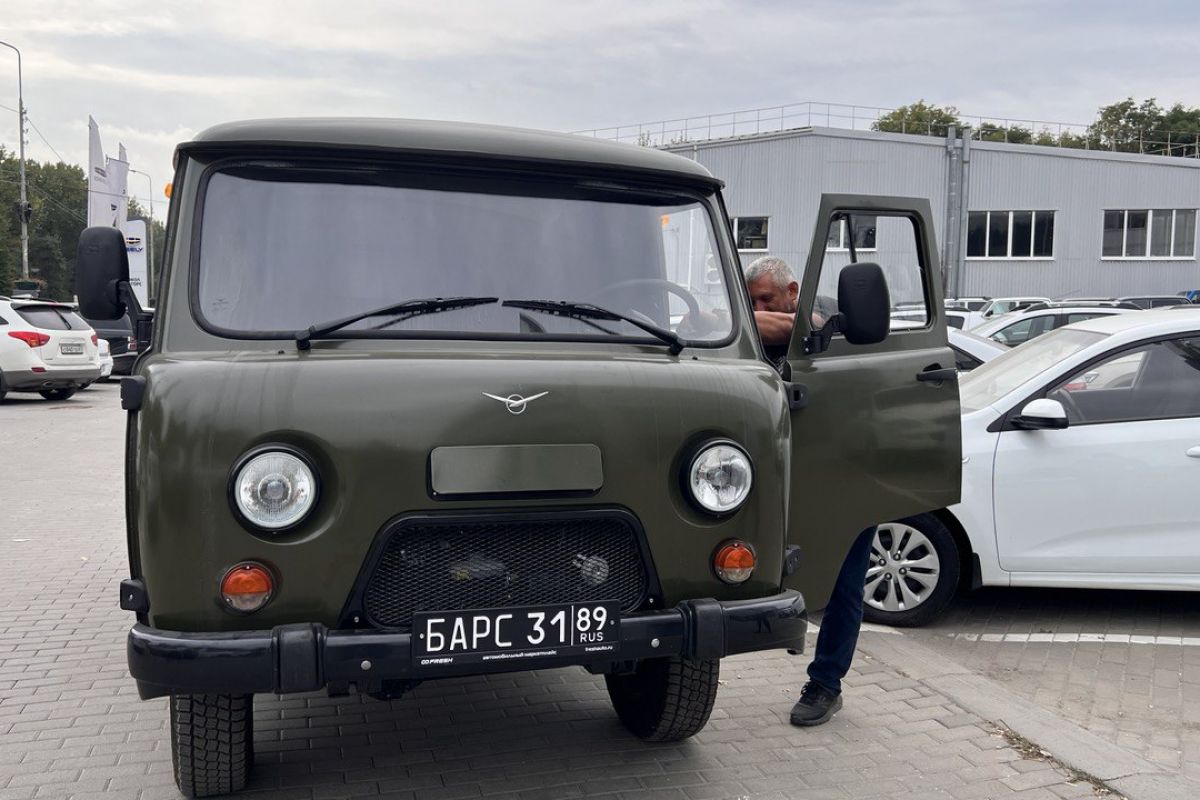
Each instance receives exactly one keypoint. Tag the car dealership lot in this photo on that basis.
(71, 724)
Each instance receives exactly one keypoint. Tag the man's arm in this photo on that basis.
(774, 327)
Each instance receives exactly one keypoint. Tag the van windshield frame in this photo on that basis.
(624, 198)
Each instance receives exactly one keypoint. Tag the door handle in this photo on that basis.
(936, 375)
(1193, 452)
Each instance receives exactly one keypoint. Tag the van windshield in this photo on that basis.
(285, 247)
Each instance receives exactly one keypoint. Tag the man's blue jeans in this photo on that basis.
(842, 618)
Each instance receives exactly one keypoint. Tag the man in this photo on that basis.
(775, 294)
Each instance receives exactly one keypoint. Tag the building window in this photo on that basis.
(864, 234)
(1165, 233)
(750, 233)
(1010, 234)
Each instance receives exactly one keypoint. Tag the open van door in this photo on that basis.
(875, 426)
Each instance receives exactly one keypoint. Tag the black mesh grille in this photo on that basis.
(450, 565)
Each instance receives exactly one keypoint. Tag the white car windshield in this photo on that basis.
(989, 383)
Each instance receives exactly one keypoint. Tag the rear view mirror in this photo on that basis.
(101, 266)
(865, 303)
(1043, 414)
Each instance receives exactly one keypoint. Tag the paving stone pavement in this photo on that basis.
(1123, 665)
(71, 725)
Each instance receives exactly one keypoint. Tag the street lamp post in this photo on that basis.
(149, 230)
(24, 208)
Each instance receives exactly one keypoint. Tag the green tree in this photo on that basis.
(1145, 127)
(919, 118)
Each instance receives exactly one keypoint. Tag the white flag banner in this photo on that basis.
(135, 248)
(99, 191)
(118, 178)
(118, 199)
(108, 196)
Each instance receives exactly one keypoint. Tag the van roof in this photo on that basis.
(458, 140)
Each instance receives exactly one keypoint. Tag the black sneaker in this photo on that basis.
(816, 705)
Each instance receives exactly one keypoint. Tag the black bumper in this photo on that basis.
(308, 657)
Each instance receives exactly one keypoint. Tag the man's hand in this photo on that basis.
(774, 327)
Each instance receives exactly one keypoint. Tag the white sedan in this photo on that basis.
(1081, 458)
(1018, 327)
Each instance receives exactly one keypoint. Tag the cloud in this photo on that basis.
(150, 71)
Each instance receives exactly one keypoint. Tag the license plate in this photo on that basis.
(577, 631)
(71, 349)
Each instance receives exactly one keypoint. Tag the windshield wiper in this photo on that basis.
(404, 310)
(588, 311)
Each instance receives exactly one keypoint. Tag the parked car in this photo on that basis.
(106, 359)
(121, 342)
(971, 350)
(1155, 300)
(958, 319)
(1081, 454)
(1004, 305)
(967, 303)
(45, 347)
(1018, 327)
(485, 456)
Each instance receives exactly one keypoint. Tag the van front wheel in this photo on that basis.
(665, 699)
(212, 742)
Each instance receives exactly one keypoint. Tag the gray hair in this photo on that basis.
(777, 268)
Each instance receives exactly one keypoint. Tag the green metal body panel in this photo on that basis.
(371, 412)
(874, 444)
(370, 420)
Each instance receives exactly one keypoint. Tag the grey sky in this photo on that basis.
(153, 73)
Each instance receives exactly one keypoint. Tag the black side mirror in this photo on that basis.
(101, 267)
(864, 313)
(864, 303)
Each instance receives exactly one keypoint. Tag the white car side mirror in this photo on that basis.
(1042, 415)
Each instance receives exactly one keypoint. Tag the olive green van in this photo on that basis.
(426, 399)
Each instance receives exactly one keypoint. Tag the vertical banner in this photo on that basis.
(108, 197)
(118, 179)
(135, 247)
(99, 193)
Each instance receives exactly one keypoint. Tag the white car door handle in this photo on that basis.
(1194, 452)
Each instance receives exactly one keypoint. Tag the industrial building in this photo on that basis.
(1037, 220)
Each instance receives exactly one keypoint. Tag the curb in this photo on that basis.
(1126, 772)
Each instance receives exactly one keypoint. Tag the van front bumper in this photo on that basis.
(309, 656)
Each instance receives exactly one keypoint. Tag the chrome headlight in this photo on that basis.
(720, 477)
(274, 489)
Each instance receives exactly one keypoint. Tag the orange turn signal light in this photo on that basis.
(734, 562)
(247, 587)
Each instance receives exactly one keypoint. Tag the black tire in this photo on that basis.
(665, 699)
(58, 394)
(946, 579)
(212, 742)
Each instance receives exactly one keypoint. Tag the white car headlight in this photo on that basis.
(274, 489)
(720, 477)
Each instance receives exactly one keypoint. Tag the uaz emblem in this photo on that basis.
(514, 402)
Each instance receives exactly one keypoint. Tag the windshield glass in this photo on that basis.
(989, 383)
(282, 249)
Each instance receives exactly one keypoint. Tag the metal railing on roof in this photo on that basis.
(773, 119)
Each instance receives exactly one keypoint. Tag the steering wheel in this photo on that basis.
(689, 299)
(1068, 403)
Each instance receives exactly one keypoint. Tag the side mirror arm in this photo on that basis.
(818, 341)
(142, 320)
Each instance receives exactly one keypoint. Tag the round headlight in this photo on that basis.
(275, 490)
(720, 478)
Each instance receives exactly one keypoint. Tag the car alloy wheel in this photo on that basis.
(904, 568)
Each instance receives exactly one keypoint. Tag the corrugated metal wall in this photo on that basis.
(783, 175)
(1078, 186)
